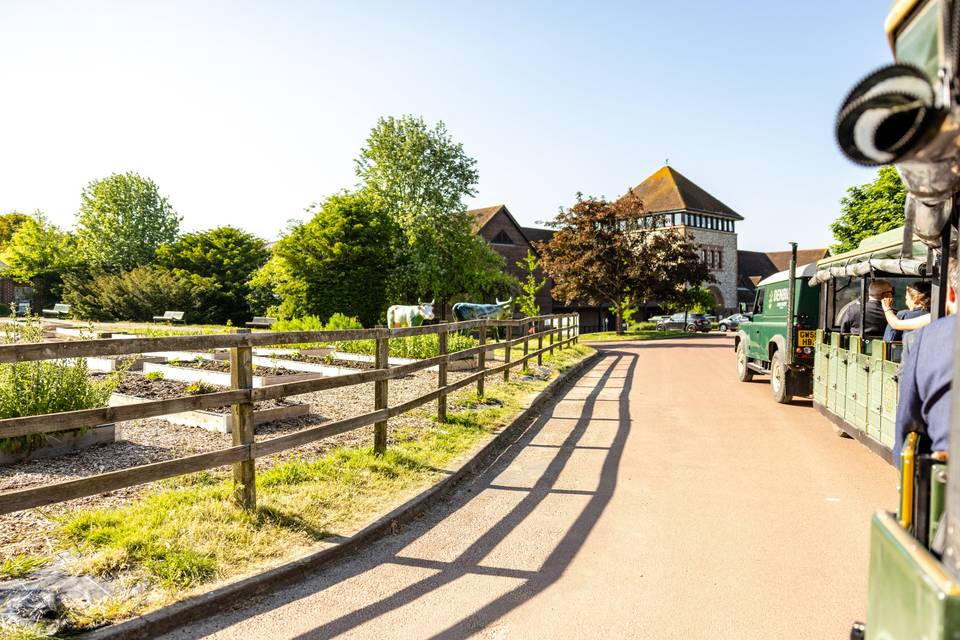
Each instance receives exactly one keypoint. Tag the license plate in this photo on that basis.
(806, 338)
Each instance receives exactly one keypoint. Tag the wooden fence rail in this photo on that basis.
(560, 330)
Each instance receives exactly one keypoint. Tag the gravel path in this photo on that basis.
(155, 440)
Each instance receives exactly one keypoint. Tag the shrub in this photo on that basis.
(45, 386)
(153, 375)
(200, 387)
(416, 347)
(139, 295)
(306, 323)
(646, 326)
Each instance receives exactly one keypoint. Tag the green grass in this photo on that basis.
(20, 566)
(188, 532)
(637, 335)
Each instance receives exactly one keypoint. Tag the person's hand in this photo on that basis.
(887, 304)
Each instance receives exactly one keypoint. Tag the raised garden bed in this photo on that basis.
(58, 444)
(108, 365)
(217, 372)
(135, 388)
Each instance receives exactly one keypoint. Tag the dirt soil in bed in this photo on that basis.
(154, 440)
(330, 362)
(223, 366)
(142, 387)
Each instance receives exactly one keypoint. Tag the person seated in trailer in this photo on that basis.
(917, 300)
(924, 405)
(874, 321)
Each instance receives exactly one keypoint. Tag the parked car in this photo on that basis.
(685, 322)
(732, 323)
(658, 319)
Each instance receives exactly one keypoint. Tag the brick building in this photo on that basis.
(704, 220)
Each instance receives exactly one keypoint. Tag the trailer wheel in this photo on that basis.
(778, 379)
(744, 374)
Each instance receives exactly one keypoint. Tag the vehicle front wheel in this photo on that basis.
(744, 374)
(778, 379)
(691, 328)
(724, 328)
(661, 327)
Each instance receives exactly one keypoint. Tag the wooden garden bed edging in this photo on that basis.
(220, 422)
(222, 378)
(59, 443)
(560, 330)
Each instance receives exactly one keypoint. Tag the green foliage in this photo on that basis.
(153, 375)
(45, 386)
(9, 223)
(419, 177)
(199, 388)
(140, 294)
(123, 219)
(343, 322)
(693, 299)
(223, 259)
(339, 261)
(530, 286)
(20, 566)
(41, 254)
(306, 323)
(417, 347)
(869, 209)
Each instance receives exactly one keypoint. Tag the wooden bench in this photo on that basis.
(261, 322)
(169, 316)
(59, 310)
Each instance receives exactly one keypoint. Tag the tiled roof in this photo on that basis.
(753, 266)
(669, 190)
(484, 215)
(536, 234)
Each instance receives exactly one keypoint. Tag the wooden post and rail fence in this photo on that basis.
(560, 330)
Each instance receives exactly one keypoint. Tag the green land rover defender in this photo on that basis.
(779, 340)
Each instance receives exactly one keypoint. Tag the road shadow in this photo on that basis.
(389, 550)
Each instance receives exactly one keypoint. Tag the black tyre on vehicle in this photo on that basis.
(744, 374)
(779, 375)
(691, 328)
(661, 327)
(724, 327)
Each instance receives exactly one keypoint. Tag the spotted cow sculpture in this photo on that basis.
(409, 315)
(471, 311)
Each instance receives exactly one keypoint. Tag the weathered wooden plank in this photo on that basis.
(442, 377)
(52, 422)
(62, 491)
(244, 472)
(380, 397)
(306, 436)
(482, 361)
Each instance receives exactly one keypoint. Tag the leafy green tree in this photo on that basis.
(869, 209)
(9, 223)
(123, 219)
(138, 295)
(339, 261)
(611, 253)
(420, 176)
(40, 253)
(225, 256)
(530, 286)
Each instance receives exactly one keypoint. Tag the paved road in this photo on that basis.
(657, 498)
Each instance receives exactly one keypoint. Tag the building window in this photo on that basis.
(719, 258)
(502, 238)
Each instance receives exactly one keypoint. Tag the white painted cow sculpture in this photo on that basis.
(409, 315)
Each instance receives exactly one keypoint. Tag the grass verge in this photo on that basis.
(604, 336)
(186, 534)
(20, 566)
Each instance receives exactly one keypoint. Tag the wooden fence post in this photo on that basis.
(244, 472)
(576, 328)
(526, 344)
(482, 359)
(380, 393)
(540, 327)
(560, 331)
(507, 354)
(442, 375)
(553, 332)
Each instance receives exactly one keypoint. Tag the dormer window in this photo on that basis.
(502, 238)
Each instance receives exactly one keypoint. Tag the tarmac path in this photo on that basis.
(656, 497)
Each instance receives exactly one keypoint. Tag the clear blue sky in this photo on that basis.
(245, 113)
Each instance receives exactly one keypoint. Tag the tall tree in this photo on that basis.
(226, 256)
(420, 176)
(339, 261)
(123, 219)
(610, 253)
(9, 223)
(40, 253)
(869, 209)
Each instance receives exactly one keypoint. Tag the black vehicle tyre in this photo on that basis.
(743, 373)
(724, 328)
(691, 328)
(660, 327)
(778, 379)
